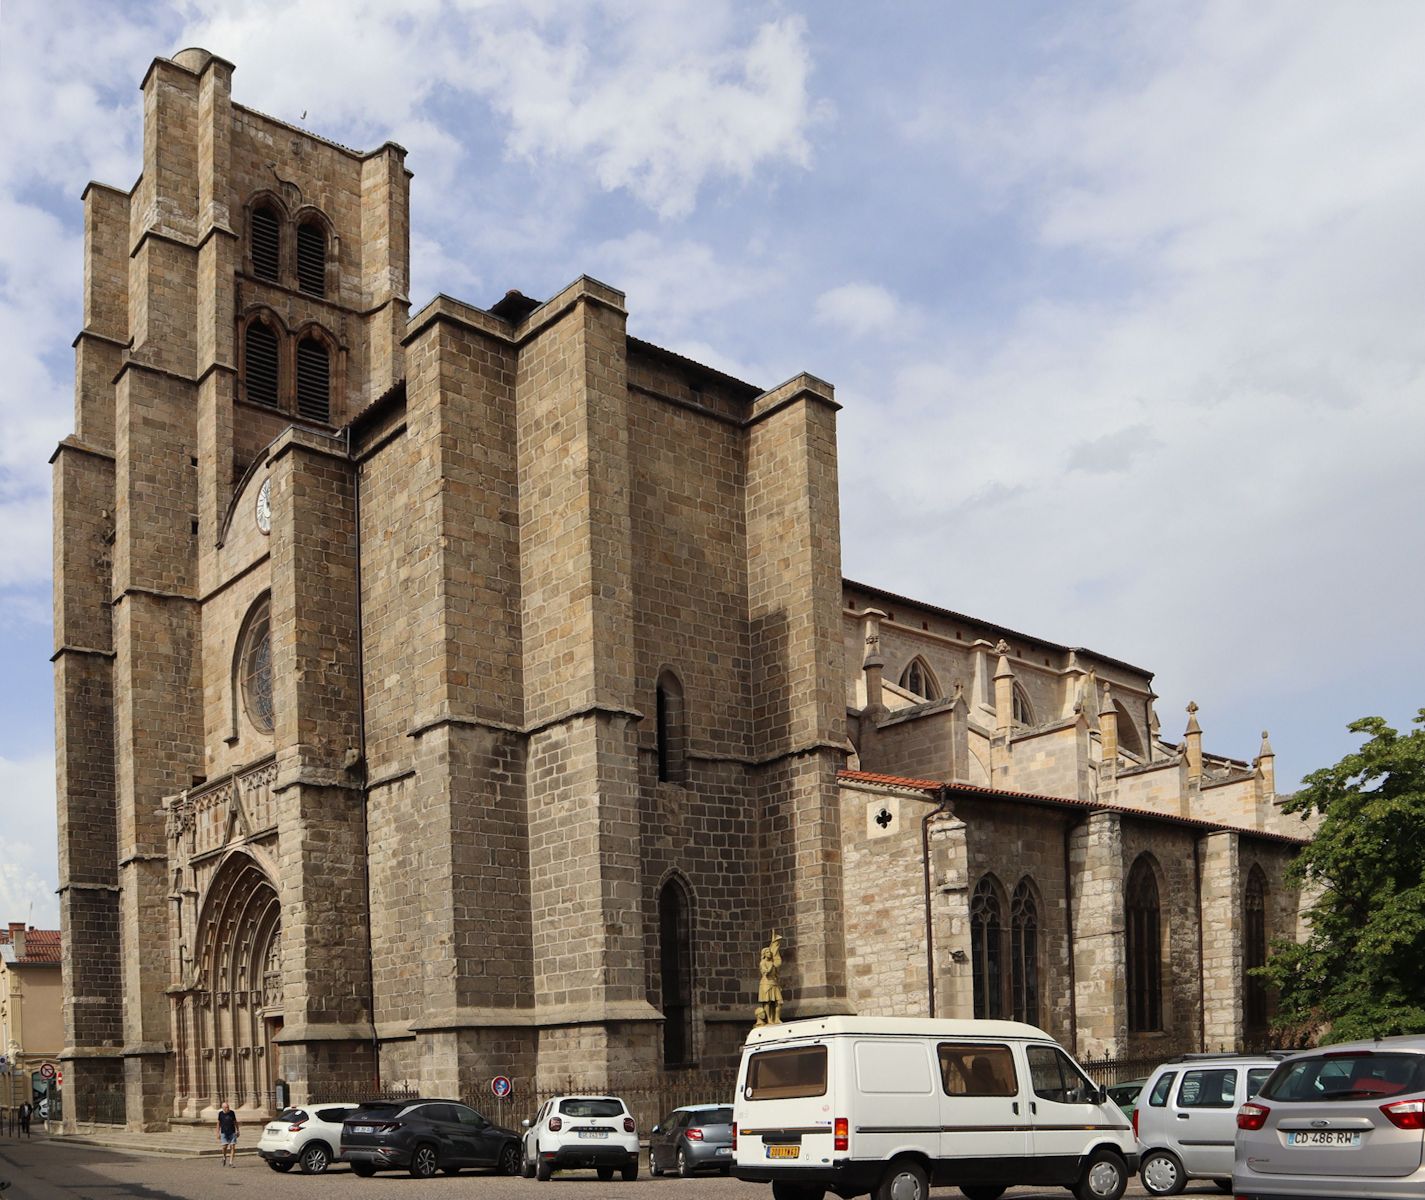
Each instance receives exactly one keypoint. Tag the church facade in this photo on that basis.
(470, 692)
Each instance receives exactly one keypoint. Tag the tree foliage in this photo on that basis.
(1361, 972)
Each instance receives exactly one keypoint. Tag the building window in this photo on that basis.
(1024, 954)
(255, 666)
(312, 258)
(1023, 714)
(671, 729)
(260, 363)
(266, 244)
(314, 379)
(675, 963)
(1254, 948)
(987, 948)
(917, 678)
(1144, 948)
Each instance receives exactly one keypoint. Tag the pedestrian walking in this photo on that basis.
(27, 1110)
(228, 1134)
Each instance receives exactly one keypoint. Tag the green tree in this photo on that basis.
(1361, 973)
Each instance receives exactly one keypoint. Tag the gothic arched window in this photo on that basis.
(312, 257)
(261, 359)
(1024, 953)
(1254, 948)
(917, 678)
(254, 665)
(266, 243)
(1023, 713)
(1144, 948)
(314, 379)
(987, 948)
(671, 729)
(675, 964)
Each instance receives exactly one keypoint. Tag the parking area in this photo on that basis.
(52, 1170)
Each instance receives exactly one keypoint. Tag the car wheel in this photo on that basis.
(365, 1170)
(425, 1162)
(653, 1168)
(543, 1168)
(509, 1160)
(685, 1168)
(526, 1167)
(984, 1191)
(1104, 1178)
(279, 1166)
(315, 1158)
(1162, 1173)
(630, 1171)
(904, 1180)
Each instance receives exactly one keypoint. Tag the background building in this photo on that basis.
(467, 693)
(31, 1029)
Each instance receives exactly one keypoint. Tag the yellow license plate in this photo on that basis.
(784, 1151)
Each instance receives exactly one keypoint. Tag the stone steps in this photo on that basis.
(194, 1141)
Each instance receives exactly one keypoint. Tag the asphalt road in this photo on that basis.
(46, 1170)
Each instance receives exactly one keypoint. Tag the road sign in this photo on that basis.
(501, 1087)
(47, 1070)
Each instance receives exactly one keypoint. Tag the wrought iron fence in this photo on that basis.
(1121, 1068)
(98, 1106)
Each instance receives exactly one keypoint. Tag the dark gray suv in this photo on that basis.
(1343, 1121)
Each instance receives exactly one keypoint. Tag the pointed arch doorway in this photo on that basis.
(228, 1043)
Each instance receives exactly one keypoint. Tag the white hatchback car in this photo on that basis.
(309, 1138)
(581, 1131)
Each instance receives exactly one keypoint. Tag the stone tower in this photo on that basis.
(437, 696)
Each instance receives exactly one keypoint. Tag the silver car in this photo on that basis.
(1344, 1121)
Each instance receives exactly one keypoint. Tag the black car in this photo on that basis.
(426, 1136)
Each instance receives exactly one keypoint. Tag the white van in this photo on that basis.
(893, 1106)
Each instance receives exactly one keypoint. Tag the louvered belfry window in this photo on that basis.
(312, 258)
(260, 364)
(266, 244)
(313, 379)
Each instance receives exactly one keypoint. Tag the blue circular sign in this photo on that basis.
(501, 1086)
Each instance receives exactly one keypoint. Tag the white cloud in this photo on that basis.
(28, 875)
(860, 309)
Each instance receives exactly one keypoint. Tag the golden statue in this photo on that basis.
(769, 989)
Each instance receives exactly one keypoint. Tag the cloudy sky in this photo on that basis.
(1125, 302)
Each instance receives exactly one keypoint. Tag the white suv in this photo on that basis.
(309, 1138)
(581, 1131)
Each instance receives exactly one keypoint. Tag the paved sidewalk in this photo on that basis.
(189, 1141)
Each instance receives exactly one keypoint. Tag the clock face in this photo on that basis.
(264, 506)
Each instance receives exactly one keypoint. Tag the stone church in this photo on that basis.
(472, 691)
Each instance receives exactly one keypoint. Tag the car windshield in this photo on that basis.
(713, 1116)
(1346, 1076)
(292, 1115)
(591, 1108)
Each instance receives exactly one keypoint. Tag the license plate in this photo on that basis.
(274, 1129)
(593, 1133)
(363, 1129)
(784, 1151)
(1323, 1137)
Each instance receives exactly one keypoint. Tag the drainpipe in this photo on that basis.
(941, 801)
(1069, 827)
(361, 764)
(1201, 982)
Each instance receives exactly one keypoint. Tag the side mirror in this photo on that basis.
(656, 1129)
(524, 1124)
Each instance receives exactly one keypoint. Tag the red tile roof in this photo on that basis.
(41, 946)
(933, 785)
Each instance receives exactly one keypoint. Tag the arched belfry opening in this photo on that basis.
(675, 969)
(231, 1013)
